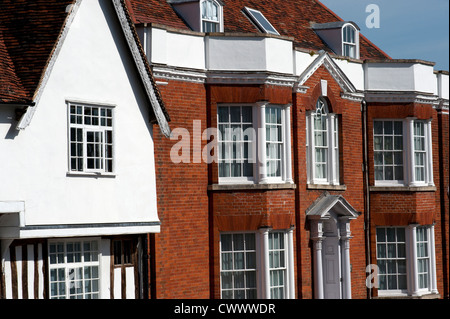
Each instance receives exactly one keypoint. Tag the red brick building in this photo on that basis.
(346, 165)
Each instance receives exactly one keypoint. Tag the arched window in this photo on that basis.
(322, 145)
(349, 41)
(210, 16)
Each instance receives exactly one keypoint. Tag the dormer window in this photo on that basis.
(210, 16)
(200, 15)
(349, 41)
(342, 37)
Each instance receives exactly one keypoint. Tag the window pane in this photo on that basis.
(226, 280)
(398, 171)
(378, 127)
(388, 158)
(250, 241)
(235, 114)
(388, 143)
(398, 128)
(381, 251)
(388, 173)
(388, 127)
(398, 142)
(400, 234)
(378, 143)
(223, 114)
(379, 173)
(227, 261)
(381, 234)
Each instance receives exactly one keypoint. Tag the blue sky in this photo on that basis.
(409, 29)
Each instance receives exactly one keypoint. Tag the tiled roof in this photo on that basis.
(11, 88)
(155, 11)
(291, 18)
(28, 33)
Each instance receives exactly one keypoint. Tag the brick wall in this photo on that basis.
(181, 265)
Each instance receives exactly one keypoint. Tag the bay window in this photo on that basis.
(406, 260)
(254, 143)
(256, 265)
(402, 152)
(322, 145)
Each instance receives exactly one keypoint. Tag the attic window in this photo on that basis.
(210, 10)
(349, 41)
(260, 20)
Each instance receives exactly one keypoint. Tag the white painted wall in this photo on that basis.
(442, 85)
(279, 56)
(175, 49)
(236, 53)
(94, 65)
(243, 53)
(354, 72)
(401, 76)
(424, 79)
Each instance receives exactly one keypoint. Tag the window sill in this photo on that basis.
(327, 187)
(90, 174)
(402, 188)
(232, 187)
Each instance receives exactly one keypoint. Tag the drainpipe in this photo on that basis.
(366, 189)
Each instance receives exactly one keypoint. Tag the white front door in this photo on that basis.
(332, 268)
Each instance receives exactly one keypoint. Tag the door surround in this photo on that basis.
(330, 217)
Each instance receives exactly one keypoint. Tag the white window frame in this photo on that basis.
(281, 268)
(396, 259)
(258, 149)
(412, 258)
(252, 146)
(269, 127)
(109, 161)
(332, 135)
(66, 265)
(409, 178)
(263, 270)
(354, 45)
(245, 269)
(394, 182)
(218, 23)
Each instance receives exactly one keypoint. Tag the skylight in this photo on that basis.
(260, 20)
